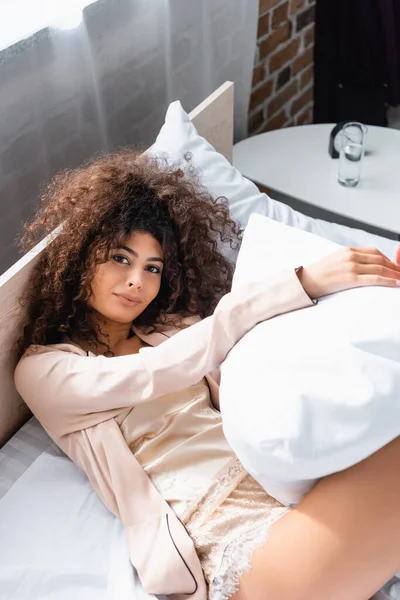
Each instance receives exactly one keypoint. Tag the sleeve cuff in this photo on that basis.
(313, 300)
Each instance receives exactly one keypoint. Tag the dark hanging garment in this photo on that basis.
(390, 11)
(357, 60)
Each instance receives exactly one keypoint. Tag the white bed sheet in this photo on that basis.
(20, 452)
(58, 540)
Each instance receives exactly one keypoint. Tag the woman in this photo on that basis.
(137, 259)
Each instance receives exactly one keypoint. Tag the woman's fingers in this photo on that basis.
(373, 251)
(368, 257)
(377, 274)
(367, 280)
(398, 255)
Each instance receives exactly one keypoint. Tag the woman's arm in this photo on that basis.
(68, 392)
(342, 541)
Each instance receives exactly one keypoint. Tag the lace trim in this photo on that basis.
(238, 556)
(219, 490)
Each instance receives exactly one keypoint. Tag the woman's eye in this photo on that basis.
(153, 269)
(120, 259)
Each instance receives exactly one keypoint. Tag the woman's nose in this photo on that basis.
(135, 280)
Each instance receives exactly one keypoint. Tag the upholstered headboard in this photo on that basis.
(213, 119)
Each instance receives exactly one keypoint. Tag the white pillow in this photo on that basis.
(316, 390)
(178, 136)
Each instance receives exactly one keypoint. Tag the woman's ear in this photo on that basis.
(398, 255)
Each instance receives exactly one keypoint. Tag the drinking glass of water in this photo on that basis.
(352, 148)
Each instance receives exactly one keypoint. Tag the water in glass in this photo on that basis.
(351, 154)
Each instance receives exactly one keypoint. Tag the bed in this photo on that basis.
(59, 541)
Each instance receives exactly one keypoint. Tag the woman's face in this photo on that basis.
(125, 285)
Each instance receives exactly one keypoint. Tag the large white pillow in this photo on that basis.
(178, 136)
(316, 390)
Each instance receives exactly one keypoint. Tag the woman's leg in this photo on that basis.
(342, 542)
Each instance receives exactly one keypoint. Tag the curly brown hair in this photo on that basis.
(99, 205)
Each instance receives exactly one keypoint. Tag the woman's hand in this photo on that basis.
(350, 268)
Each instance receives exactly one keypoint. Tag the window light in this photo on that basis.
(19, 19)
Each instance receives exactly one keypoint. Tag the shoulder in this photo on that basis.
(35, 359)
(40, 378)
(51, 349)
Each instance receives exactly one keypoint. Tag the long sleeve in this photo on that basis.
(69, 392)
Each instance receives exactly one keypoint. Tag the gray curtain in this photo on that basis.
(70, 91)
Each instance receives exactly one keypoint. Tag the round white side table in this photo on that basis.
(295, 162)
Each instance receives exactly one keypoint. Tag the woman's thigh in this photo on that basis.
(342, 542)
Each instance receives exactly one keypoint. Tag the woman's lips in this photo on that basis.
(127, 301)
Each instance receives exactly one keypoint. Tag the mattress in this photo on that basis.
(59, 542)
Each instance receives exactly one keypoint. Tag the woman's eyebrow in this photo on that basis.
(153, 258)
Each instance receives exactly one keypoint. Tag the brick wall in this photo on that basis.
(282, 91)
